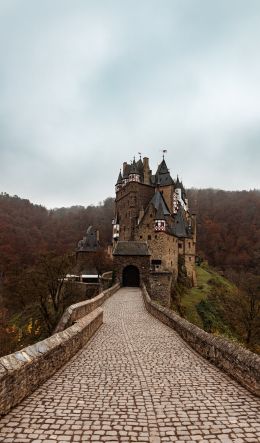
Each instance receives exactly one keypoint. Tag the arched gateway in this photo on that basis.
(131, 276)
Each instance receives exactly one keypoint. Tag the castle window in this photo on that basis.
(189, 244)
(156, 262)
(180, 245)
(141, 236)
(149, 237)
(190, 258)
(155, 236)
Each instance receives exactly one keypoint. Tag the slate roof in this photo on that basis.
(134, 169)
(131, 248)
(163, 177)
(180, 228)
(126, 171)
(158, 200)
(162, 168)
(140, 166)
(120, 178)
(160, 214)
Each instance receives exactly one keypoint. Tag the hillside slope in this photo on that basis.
(220, 307)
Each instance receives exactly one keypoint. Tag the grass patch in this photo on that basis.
(192, 300)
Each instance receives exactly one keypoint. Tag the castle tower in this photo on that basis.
(152, 228)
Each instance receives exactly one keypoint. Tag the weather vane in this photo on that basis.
(164, 151)
(140, 154)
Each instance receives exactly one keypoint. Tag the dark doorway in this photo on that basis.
(131, 276)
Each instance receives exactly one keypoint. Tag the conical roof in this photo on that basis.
(140, 166)
(162, 168)
(134, 169)
(163, 177)
(120, 178)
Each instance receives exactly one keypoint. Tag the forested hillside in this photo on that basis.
(34, 240)
(27, 230)
(228, 228)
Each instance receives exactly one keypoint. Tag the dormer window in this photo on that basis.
(160, 225)
(134, 178)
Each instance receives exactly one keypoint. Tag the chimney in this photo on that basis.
(147, 172)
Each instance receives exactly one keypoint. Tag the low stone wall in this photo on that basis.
(79, 310)
(239, 363)
(22, 372)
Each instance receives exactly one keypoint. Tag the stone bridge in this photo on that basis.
(136, 380)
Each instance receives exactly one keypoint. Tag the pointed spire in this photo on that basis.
(120, 178)
(162, 168)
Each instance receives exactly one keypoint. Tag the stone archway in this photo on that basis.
(131, 276)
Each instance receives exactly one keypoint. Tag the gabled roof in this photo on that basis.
(131, 248)
(160, 214)
(158, 200)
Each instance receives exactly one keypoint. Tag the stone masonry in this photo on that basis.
(135, 381)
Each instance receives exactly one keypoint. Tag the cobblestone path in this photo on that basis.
(136, 380)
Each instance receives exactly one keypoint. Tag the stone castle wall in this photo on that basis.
(160, 287)
(141, 262)
(129, 201)
(162, 246)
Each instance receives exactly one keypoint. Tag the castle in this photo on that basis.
(153, 231)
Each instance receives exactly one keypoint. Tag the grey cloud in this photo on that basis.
(84, 86)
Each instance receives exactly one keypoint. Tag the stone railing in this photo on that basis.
(79, 310)
(22, 372)
(239, 363)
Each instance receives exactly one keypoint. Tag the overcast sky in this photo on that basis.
(86, 85)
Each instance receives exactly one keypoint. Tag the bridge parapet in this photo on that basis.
(79, 310)
(239, 363)
(24, 371)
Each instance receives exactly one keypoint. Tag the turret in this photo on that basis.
(134, 174)
(160, 221)
(181, 194)
(119, 182)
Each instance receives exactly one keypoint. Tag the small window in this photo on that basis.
(180, 245)
(190, 258)
(156, 262)
(155, 236)
(189, 244)
(141, 236)
(149, 237)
